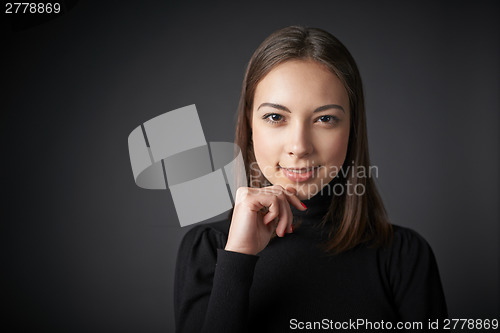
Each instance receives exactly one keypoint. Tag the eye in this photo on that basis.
(331, 120)
(273, 118)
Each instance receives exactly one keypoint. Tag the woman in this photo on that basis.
(336, 258)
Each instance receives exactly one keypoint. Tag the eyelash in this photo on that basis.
(334, 119)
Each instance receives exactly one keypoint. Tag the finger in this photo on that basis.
(270, 190)
(273, 210)
(291, 190)
(286, 218)
(277, 190)
(293, 200)
(289, 228)
(290, 193)
(284, 215)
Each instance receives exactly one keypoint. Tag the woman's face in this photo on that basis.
(300, 120)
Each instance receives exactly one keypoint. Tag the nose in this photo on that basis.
(299, 143)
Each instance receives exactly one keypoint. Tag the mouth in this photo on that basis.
(299, 174)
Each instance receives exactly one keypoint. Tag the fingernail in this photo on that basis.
(303, 205)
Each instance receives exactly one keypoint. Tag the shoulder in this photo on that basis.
(208, 236)
(404, 237)
(413, 276)
(197, 252)
(408, 246)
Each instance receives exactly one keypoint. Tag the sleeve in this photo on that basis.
(211, 288)
(414, 277)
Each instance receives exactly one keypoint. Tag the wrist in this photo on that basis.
(239, 250)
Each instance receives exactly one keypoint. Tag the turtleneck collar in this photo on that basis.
(318, 205)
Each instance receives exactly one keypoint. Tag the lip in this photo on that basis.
(304, 175)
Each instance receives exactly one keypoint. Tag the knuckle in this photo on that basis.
(273, 215)
(278, 187)
(290, 190)
(242, 193)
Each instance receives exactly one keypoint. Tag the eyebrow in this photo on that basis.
(321, 108)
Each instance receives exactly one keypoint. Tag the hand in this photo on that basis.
(257, 213)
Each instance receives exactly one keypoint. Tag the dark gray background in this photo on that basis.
(84, 249)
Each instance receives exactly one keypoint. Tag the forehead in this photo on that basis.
(302, 83)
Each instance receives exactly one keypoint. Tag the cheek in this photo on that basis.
(334, 153)
(266, 151)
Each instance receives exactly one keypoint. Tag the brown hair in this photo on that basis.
(351, 219)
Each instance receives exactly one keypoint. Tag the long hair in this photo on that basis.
(351, 219)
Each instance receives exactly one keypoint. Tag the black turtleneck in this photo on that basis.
(293, 283)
